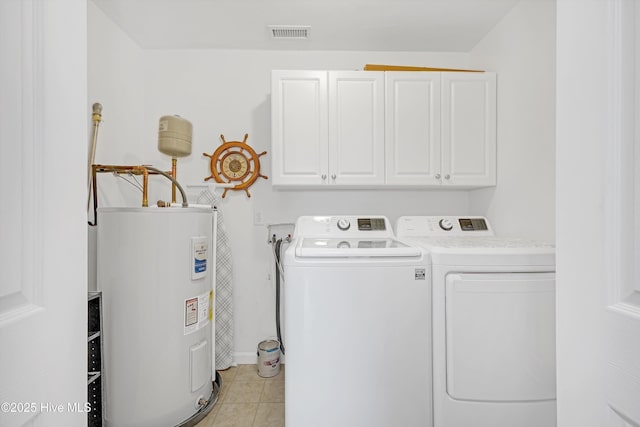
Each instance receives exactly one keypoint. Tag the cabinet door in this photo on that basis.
(299, 127)
(469, 129)
(356, 127)
(412, 128)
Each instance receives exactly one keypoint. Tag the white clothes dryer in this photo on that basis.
(357, 326)
(493, 323)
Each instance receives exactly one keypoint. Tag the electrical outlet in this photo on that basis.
(257, 218)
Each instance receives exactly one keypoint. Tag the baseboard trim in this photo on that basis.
(245, 358)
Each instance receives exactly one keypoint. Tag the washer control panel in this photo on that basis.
(344, 225)
(372, 224)
(473, 224)
(443, 226)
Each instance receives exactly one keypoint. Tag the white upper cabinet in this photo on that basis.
(363, 128)
(356, 128)
(441, 129)
(327, 128)
(299, 127)
(412, 120)
(468, 129)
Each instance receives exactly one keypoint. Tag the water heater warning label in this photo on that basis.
(196, 312)
(199, 255)
(191, 312)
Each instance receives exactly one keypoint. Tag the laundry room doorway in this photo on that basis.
(43, 237)
(598, 213)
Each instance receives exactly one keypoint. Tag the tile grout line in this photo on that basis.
(262, 402)
(255, 415)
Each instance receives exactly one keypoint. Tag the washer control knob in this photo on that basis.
(445, 224)
(343, 224)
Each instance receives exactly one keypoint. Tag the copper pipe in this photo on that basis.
(174, 167)
(145, 185)
(134, 170)
(145, 171)
(185, 204)
(97, 118)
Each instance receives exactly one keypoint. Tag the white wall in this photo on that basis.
(114, 67)
(521, 49)
(228, 92)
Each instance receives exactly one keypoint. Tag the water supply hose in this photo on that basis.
(172, 179)
(278, 245)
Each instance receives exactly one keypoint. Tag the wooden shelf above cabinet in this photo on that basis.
(378, 67)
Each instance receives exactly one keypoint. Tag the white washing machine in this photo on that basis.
(357, 326)
(493, 323)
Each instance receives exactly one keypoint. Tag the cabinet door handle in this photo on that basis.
(324, 176)
(333, 176)
(437, 176)
(447, 176)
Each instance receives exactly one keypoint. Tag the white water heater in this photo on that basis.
(155, 268)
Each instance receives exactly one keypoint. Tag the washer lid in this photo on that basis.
(354, 247)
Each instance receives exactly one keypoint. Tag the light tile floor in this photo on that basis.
(248, 400)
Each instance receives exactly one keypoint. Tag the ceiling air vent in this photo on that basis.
(289, 31)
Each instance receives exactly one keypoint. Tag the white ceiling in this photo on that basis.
(361, 25)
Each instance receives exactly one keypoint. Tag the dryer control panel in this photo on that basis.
(443, 226)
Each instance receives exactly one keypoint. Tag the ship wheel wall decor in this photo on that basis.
(235, 162)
